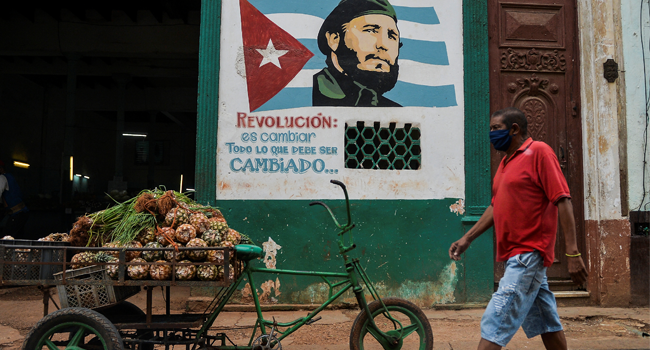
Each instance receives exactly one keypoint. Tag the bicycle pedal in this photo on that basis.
(313, 320)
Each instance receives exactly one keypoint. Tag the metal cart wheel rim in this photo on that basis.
(73, 343)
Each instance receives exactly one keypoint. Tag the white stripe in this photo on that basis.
(302, 26)
(425, 74)
(299, 25)
(414, 3)
(425, 32)
(409, 72)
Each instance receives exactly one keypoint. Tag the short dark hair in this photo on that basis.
(513, 115)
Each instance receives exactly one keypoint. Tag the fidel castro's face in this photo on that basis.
(375, 40)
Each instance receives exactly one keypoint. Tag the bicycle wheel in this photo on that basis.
(73, 328)
(415, 329)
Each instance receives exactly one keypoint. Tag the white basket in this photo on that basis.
(91, 296)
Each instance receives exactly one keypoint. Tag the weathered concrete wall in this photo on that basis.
(635, 29)
(604, 129)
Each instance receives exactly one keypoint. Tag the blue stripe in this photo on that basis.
(431, 52)
(288, 98)
(322, 8)
(414, 95)
(406, 94)
(424, 15)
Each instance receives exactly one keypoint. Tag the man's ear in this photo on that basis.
(333, 40)
(515, 129)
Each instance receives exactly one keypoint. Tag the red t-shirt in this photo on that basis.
(525, 192)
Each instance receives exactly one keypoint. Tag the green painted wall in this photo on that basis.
(403, 245)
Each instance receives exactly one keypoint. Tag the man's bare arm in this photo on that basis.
(576, 265)
(484, 223)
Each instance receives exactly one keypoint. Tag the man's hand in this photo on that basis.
(577, 269)
(460, 246)
(457, 248)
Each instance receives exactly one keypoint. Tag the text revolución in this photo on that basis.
(318, 121)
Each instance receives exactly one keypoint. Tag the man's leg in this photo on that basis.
(543, 319)
(488, 345)
(513, 300)
(554, 340)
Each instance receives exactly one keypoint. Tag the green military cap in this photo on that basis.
(348, 10)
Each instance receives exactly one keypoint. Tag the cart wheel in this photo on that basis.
(413, 327)
(124, 312)
(73, 328)
(117, 313)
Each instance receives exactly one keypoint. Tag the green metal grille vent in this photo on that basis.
(374, 147)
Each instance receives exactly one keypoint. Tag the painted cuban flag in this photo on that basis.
(426, 77)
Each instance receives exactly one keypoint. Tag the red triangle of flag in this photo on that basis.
(273, 57)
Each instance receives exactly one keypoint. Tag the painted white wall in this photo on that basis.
(442, 141)
(635, 27)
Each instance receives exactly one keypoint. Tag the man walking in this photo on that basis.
(528, 192)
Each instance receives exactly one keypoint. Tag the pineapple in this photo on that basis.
(138, 272)
(185, 272)
(215, 257)
(233, 237)
(102, 257)
(58, 237)
(112, 269)
(231, 272)
(208, 272)
(177, 216)
(196, 255)
(134, 254)
(180, 255)
(185, 233)
(114, 253)
(219, 226)
(200, 222)
(160, 272)
(82, 259)
(166, 234)
(146, 236)
(216, 213)
(153, 255)
(212, 238)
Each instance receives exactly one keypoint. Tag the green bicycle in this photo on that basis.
(389, 323)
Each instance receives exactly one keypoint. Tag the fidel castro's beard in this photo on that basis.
(380, 82)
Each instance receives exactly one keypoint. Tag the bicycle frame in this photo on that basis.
(349, 279)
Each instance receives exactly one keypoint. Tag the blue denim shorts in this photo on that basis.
(523, 299)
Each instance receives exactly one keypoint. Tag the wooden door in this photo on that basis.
(533, 47)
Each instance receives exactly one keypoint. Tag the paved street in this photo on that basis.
(586, 327)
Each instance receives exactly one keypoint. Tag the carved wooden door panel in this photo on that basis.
(534, 67)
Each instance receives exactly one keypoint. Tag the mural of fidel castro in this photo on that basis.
(361, 41)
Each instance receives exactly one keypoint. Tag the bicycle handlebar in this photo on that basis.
(337, 182)
(344, 228)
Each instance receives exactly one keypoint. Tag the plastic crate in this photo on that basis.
(11, 259)
(91, 296)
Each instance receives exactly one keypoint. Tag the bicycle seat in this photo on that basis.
(248, 252)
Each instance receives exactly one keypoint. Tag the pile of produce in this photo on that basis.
(155, 219)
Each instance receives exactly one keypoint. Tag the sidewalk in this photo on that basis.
(585, 327)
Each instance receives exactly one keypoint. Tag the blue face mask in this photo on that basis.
(501, 139)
